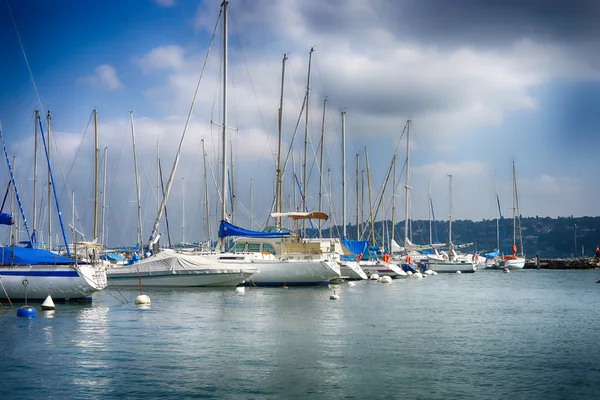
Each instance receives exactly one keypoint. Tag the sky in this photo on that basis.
(484, 84)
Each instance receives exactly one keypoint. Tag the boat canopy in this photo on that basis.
(493, 254)
(227, 229)
(112, 257)
(6, 219)
(356, 246)
(14, 255)
(302, 215)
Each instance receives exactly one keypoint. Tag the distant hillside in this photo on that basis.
(548, 237)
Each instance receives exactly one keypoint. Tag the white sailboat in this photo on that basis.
(172, 269)
(33, 273)
(514, 261)
(451, 261)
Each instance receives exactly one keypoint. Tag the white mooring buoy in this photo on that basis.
(48, 304)
(374, 277)
(418, 275)
(458, 272)
(351, 284)
(385, 279)
(240, 290)
(142, 299)
(506, 270)
(334, 296)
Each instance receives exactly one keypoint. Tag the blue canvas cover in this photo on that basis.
(356, 246)
(13, 255)
(227, 229)
(6, 219)
(112, 257)
(493, 254)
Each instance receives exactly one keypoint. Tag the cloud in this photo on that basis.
(163, 58)
(165, 3)
(104, 78)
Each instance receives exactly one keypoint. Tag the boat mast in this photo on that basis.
(137, 183)
(48, 123)
(429, 211)
(279, 206)
(362, 201)
(344, 174)
(393, 204)
(370, 198)
(304, 176)
(224, 134)
(518, 212)
(104, 195)
(321, 162)
(183, 212)
(407, 184)
(35, 152)
(497, 214)
(450, 219)
(251, 203)
(206, 203)
(357, 203)
(96, 151)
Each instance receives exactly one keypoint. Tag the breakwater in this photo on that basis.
(563, 263)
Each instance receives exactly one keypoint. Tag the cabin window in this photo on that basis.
(253, 247)
(267, 248)
(239, 248)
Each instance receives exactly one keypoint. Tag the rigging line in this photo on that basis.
(80, 145)
(25, 56)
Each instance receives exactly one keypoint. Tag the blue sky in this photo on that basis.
(481, 91)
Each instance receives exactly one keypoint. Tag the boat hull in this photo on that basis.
(451, 267)
(382, 269)
(62, 282)
(294, 273)
(352, 271)
(519, 263)
(195, 278)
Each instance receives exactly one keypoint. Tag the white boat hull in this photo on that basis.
(519, 263)
(170, 269)
(62, 282)
(382, 269)
(292, 272)
(352, 270)
(451, 267)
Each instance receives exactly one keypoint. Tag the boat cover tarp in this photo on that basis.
(493, 254)
(112, 257)
(165, 261)
(227, 229)
(6, 219)
(13, 255)
(356, 246)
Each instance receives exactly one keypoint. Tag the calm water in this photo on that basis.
(526, 334)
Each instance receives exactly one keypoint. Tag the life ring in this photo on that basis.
(514, 249)
(408, 259)
(473, 257)
(359, 257)
(386, 258)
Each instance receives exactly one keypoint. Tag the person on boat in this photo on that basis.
(597, 252)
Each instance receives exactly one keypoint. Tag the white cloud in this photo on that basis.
(163, 58)
(104, 78)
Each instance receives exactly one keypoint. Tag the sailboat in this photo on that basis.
(514, 261)
(168, 268)
(452, 261)
(34, 273)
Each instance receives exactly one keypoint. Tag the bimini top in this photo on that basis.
(14, 255)
(302, 215)
(227, 229)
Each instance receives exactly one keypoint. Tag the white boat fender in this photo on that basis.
(351, 284)
(240, 290)
(334, 296)
(142, 299)
(433, 273)
(385, 279)
(418, 275)
(374, 277)
(409, 273)
(48, 304)
(506, 270)
(458, 272)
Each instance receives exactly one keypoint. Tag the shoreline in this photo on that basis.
(564, 263)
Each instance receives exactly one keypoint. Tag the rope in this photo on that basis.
(8, 298)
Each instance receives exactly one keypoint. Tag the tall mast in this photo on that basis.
(370, 198)
(321, 162)
(137, 183)
(279, 207)
(518, 210)
(232, 182)
(73, 217)
(35, 151)
(407, 185)
(48, 124)
(393, 203)
(251, 203)
(357, 204)
(304, 176)
(514, 207)
(497, 215)
(362, 200)
(450, 220)
(206, 203)
(96, 151)
(104, 195)
(224, 134)
(344, 173)
(183, 211)
(429, 211)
